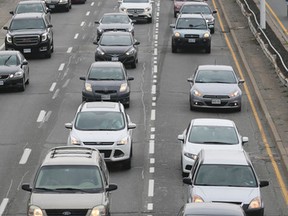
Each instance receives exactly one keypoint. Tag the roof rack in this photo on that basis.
(66, 150)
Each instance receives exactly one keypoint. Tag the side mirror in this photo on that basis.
(181, 137)
(245, 140)
(26, 187)
(25, 62)
(137, 43)
(82, 78)
(187, 181)
(11, 12)
(264, 183)
(97, 22)
(49, 10)
(68, 126)
(95, 42)
(172, 25)
(111, 187)
(5, 28)
(130, 78)
(214, 12)
(50, 26)
(133, 21)
(190, 79)
(241, 81)
(131, 126)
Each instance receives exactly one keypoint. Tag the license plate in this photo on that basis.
(1, 82)
(191, 40)
(105, 97)
(51, 6)
(114, 58)
(26, 50)
(216, 101)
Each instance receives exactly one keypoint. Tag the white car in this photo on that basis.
(204, 133)
(106, 127)
(137, 9)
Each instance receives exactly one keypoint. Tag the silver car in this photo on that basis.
(215, 86)
(105, 126)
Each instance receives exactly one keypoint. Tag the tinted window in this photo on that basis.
(31, 7)
(27, 24)
(191, 23)
(115, 19)
(115, 40)
(9, 59)
(215, 76)
(106, 73)
(195, 9)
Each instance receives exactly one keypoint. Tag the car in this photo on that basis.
(54, 5)
(226, 176)
(71, 180)
(207, 133)
(117, 46)
(215, 86)
(114, 22)
(105, 126)
(200, 8)
(32, 6)
(211, 209)
(30, 33)
(178, 3)
(78, 1)
(137, 9)
(190, 31)
(14, 69)
(107, 81)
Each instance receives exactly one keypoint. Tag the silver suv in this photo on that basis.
(72, 180)
(105, 126)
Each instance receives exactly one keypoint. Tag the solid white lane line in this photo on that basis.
(151, 188)
(88, 13)
(150, 206)
(69, 50)
(76, 36)
(25, 156)
(52, 87)
(41, 116)
(61, 67)
(82, 24)
(153, 91)
(3, 205)
(151, 146)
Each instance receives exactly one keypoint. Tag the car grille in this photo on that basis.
(26, 40)
(106, 91)
(115, 29)
(98, 143)
(191, 36)
(4, 76)
(135, 11)
(216, 96)
(106, 153)
(70, 212)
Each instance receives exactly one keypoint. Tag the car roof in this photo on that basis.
(195, 3)
(28, 15)
(223, 209)
(116, 33)
(212, 122)
(107, 64)
(217, 67)
(224, 156)
(101, 106)
(72, 155)
(31, 2)
(115, 13)
(199, 16)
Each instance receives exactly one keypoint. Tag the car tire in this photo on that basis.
(174, 49)
(175, 14)
(134, 64)
(52, 47)
(127, 163)
(149, 20)
(23, 85)
(208, 49)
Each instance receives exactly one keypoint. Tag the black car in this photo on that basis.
(117, 46)
(114, 22)
(59, 4)
(14, 70)
(32, 6)
(107, 81)
(30, 33)
(190, 31)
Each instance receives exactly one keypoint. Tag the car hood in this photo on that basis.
(5, 69)
(27, 31)
(135, 5)
(99, 136)
(191, 31)
(226, 194)
(215, 88)
(115, 26)
(68, 200)
(115, 49)
(106, 85)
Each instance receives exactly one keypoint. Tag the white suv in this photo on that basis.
(105, 126)
(137, 9)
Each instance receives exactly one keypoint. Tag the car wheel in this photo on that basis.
(174, 49)
(149, 20)
(175, 14)
(133, 65)
(208, 49)
(23, 85)
(212, 30)
(127, 105)
(52, 47)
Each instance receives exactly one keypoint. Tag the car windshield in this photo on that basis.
(135, 1)
(216, 76)
(225, 175)
(195, 9)
(18, 24)
(28, 8)
(106, 73)
(213, 135)
(72, 178)
(9, 59)
(115, 40)
(108, 19)
(191, 23)
(99, 120)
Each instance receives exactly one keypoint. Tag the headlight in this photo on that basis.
(44, 36)
(88, 87)
(197, 93)
(190, 155)
(255, 203)
(123, 141)
(197, 199)
(147, 9)
(99, 30)
(206, 35)
(131, 51)
(35, 211)
(177, 34)
(234, 94)
(8, 38)
(17, 74)
(123, 87)
(99, 51)
(130, 29)
(75, 141)
(98, 211)
(123, 9)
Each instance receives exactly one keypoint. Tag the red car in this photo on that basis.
(179, 3)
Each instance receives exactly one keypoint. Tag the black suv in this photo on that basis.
(30, 33)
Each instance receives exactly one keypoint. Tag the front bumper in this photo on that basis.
(123, 98)
(10, 82)
(42, 47)
(58, 5)
(125, 59)
(191, 42)
(253, 212)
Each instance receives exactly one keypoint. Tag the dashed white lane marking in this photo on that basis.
(154, 98)
(88, 13)
(155, 51)
(92, 4)
(61, 67)
(41, 116)
(151, 188)
(69, 50)
(153, 91)
(155, 69)
(76, 36)
(152, 129)
(25, 156)
(52, 87)
(156, 37)
(151, 170)
(152, 160)
(3, 205)
(56, 93)
(82, 24)
(66, 83)
(157, 25)
(153, 104)
(153, 115)
(150, 206)
(151, 146)
(152, 136)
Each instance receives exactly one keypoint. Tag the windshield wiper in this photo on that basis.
(91, 190)
(215, 142)
(5, 63)
(45, 189)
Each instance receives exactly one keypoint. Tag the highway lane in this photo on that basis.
(142, 190)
